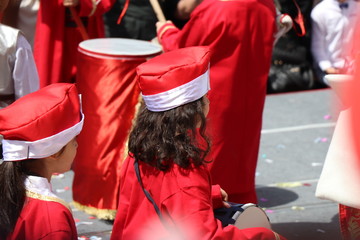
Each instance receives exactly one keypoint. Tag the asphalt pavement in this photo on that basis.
(297, 130)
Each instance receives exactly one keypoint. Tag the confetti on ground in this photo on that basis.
(82, 238)
(280, 146)
(263, 155)
(316, 164)
(92, 217)
(297, 208)
(76, 220)
(61, 190)
(320, 230)
(320, 139)
(257, 174)
(83, 223)
(289, 184)
(306, 184)
(269, 160)
(264, 199)
(269, 211)
(327, 117)
(95, 238)
(58, 176)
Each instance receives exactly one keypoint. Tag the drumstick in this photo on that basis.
(79, 23)
(158, 11)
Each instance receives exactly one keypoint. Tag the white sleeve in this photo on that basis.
(318, 43)
(25, 75)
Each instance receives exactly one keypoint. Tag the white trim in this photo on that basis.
(14, 150)
(178, 96)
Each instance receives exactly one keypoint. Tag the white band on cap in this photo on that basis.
(14, 150)
(178, 96)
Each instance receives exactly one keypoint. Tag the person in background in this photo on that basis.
(18, 70)
(166, 190)
(37, 142)
(333, 24)
(240, 35)
(57, 36)
(137, 23)
(22, 14)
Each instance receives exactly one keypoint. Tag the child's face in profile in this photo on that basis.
(67, 156)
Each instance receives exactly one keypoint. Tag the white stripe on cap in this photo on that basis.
(15, 150)
(178, 96)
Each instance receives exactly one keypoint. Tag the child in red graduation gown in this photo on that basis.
(240, 34)
(168, 146)
(39, 138)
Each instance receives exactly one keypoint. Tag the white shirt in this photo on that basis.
(18, 70)
(39, 185)
(332, 32)
(25, 75)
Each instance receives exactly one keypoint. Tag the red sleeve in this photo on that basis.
(216, 197)
(191, 211)
(168, 36)
(198, 31)
(60, 235)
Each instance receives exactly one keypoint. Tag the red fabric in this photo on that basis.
(109, 95)
(44, 220)
(349, 222)
(55, 46)
(158, 76)
(217, 199)
(184, 198)
(41, 108)
(240, 35)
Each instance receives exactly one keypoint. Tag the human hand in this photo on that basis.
(160, 24)
(225, 198)
(332, 70)
(70, 3)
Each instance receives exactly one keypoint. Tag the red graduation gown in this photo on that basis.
(240, 34)
(185, 200)
(44, 219)
(55, 46)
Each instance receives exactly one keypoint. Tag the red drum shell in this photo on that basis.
(106, 79)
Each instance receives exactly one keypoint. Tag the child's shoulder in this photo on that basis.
(47, 205)
(193, 176)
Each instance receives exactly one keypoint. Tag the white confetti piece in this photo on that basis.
(269, 160)
(84, 223)
(316, 164)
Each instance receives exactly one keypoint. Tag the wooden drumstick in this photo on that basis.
(79, 23)
(158, 11)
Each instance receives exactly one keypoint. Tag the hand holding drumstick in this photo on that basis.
(70, 3)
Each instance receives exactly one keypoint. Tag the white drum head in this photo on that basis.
(119, 47)
(252, 217)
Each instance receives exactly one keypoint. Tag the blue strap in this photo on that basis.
(147, 194)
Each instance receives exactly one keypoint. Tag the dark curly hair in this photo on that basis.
(163, 138)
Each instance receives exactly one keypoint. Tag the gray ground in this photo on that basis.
(297, 131)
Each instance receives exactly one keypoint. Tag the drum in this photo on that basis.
(243, 216)
(106, 80)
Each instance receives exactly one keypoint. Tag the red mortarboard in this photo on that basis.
(174, 78)
(41, 123)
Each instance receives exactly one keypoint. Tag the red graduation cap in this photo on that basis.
(174, 78)
(41, 123)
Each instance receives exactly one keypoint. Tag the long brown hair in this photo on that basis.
(12, 195)
(163, 138)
